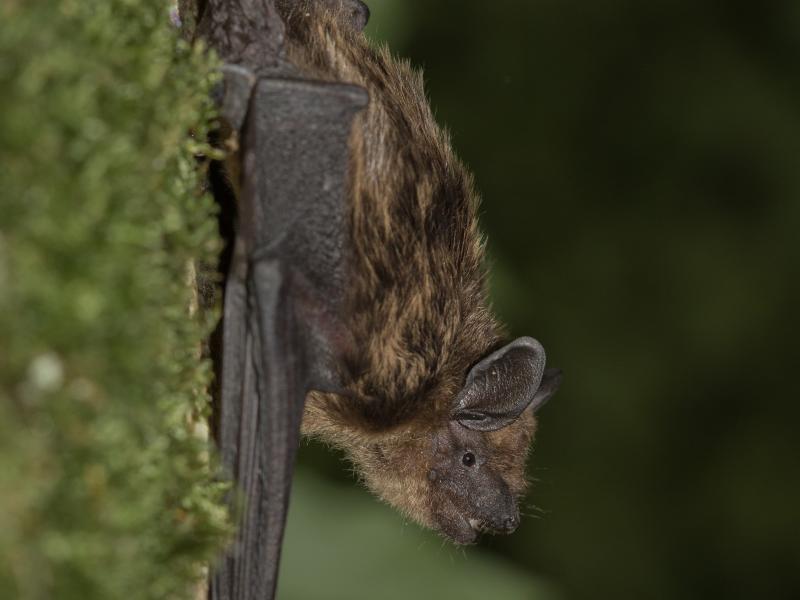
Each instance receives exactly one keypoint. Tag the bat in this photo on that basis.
(436, 409)
(355, 301)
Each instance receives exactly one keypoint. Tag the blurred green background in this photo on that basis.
(640, 169)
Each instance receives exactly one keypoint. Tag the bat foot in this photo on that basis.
(353, 13)
(359, 14)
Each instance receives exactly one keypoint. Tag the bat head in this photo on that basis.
(477, 469)
(464, 475)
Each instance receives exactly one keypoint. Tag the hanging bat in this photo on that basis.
(356, 294)
(435, 409)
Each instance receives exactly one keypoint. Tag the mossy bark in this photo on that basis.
(106, 489)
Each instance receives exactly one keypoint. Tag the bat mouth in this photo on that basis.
(469, 530)
(461, 532)
(480, 526)
(477, 525)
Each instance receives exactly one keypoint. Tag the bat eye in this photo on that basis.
(468, 459)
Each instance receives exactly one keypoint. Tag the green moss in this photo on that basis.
(105, 490)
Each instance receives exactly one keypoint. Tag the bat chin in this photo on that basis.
(462, 532)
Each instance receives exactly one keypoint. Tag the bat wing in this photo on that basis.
(281, 332)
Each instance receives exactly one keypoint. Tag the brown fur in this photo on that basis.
(418, 307)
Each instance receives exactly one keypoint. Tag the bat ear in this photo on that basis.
(504, 384)
(551, 381)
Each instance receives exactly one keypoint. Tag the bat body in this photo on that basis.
(432, 405)
(355, 302)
